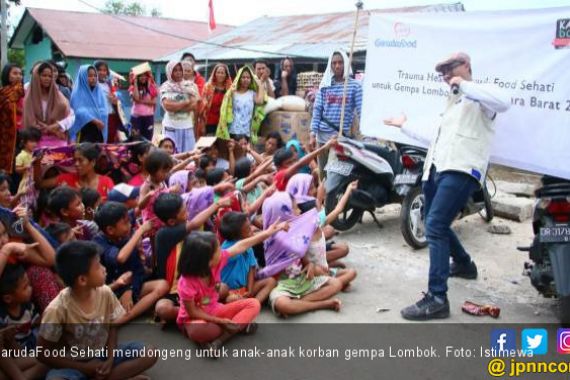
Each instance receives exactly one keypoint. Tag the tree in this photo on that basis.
(135, 9)
(114, 7)
(132, 8)
(17, 57)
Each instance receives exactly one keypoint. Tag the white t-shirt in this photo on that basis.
(177, 120)
(243, 105)
(222, 163)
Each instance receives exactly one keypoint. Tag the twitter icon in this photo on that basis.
(535, 341)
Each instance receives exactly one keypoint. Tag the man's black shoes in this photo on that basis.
(429, 307)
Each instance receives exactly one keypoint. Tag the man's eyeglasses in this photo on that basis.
(450, 67)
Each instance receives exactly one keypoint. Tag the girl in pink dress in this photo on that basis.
(202, 318)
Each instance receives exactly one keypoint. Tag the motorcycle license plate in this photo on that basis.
(555, 234)
(339, 167)
(405, 179)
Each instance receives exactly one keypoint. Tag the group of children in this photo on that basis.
(195, 239)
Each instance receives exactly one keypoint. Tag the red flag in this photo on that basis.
(212, 21)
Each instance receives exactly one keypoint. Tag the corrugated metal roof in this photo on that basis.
(311, 36)
(96, 35)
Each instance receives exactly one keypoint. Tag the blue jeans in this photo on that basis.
(445, 194)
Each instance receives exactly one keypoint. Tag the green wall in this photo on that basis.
(43, 51)
(36, 52)
(121, 67)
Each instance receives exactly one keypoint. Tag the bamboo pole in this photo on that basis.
(359, 6)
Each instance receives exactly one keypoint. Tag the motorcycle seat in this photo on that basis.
(386, 153)
(550, 180)
(554, 190)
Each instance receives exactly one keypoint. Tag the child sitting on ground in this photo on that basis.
(202, 318)
(239, 273)
(302, 285)
(19, 320)
(180, 159)
(172, 211)
(82, 316)
(213, 159)
(287, 167)
(301, 188)
(295, 147)
(158, 165)
(120, 256)
(128, 196)
(216, 177)
(168, 145)
(38, 259)
(61, 232)
(252, 183)
(200, 175)
(65, 204)
(273, 142)
(91, 200)
(7, 200)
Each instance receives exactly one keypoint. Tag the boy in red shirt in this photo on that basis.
(286, 168)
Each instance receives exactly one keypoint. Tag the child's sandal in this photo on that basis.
(250, 329)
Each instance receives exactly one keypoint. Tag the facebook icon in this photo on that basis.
(503, 340)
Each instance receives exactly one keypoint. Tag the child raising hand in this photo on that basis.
(202, 318)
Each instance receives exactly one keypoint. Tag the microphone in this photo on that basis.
(455, 89)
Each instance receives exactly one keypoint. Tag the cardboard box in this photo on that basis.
(141, 69)
(205, 142)
(291, 125)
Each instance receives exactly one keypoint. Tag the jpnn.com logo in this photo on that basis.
(401, 32)
(562, 37)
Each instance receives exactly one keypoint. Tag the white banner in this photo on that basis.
(526, 53)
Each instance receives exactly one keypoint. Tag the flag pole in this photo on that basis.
(359, 6)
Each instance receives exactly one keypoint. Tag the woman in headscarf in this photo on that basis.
(212, 98)
(113, 120)
(11, 108)
(286, 79)
(46, 108)
(178, 98)
(143, 91)
(242, 108)
(90, 106)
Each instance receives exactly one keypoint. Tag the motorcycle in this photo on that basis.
(550, 249)
(374, 166)
(407, 185)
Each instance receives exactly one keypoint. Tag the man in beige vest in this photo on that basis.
(455, 167)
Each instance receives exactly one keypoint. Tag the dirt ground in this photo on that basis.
(391, 275)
